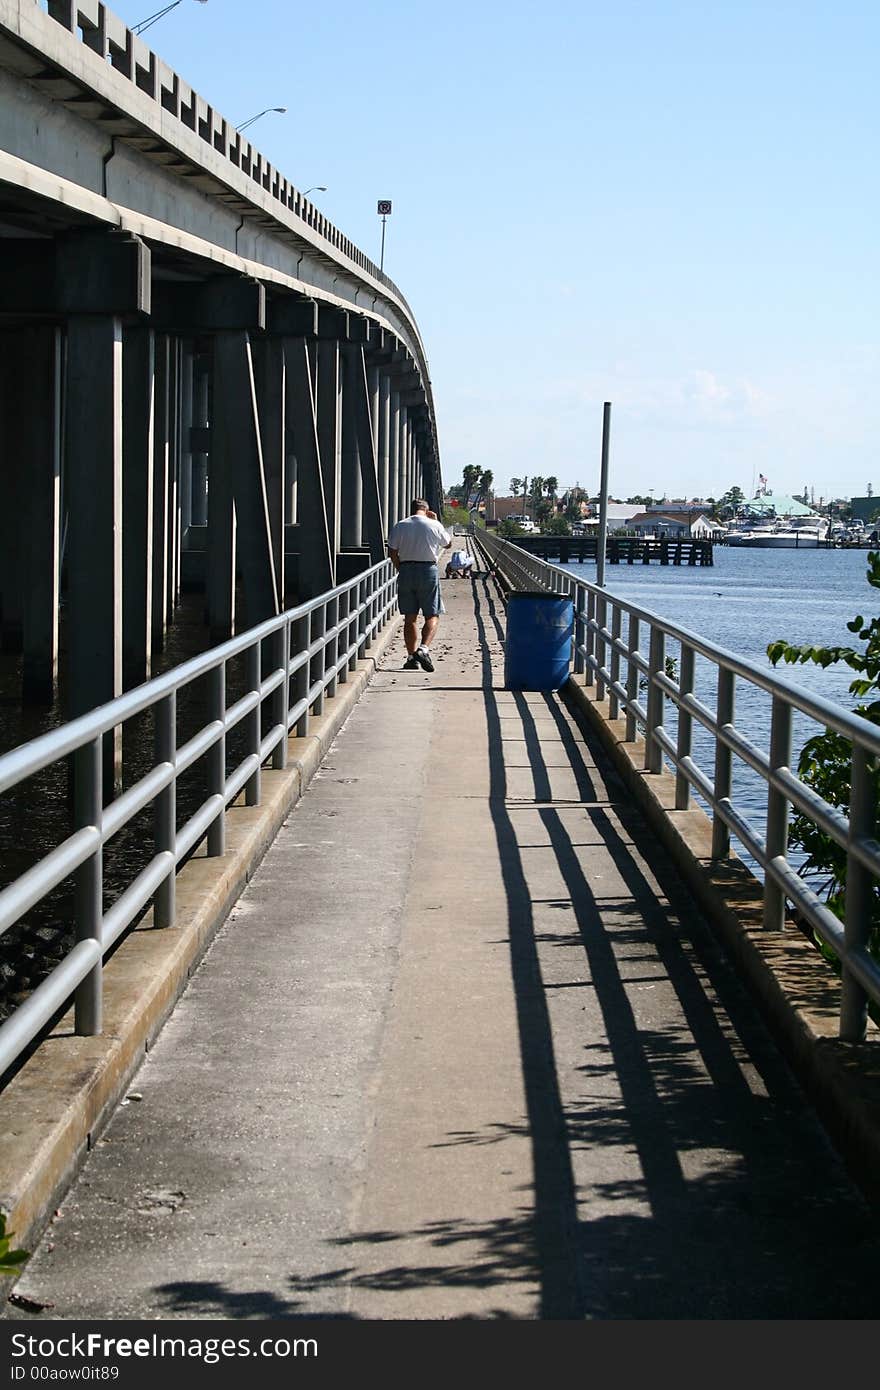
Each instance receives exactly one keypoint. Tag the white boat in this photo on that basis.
(795, 533)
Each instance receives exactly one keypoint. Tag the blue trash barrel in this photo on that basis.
(537, 650)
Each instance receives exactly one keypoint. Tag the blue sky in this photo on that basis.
(670, 206)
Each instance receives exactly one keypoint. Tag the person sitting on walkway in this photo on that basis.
(460, 564)
(414, 544)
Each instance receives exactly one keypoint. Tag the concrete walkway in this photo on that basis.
(465, 1048)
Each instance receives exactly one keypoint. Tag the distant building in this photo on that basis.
(696, 504)
(863, 508)
(677, 524)
(508, 506)
(777, 504)
(619, 514)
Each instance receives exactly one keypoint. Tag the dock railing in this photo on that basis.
(624, 651)
(291, 664)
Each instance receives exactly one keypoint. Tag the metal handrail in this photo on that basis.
(313, 647)
(598, 647)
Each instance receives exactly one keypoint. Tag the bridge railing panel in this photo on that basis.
(252, 693)
(680, 693)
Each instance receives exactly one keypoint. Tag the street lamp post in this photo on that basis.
(250, 120)
(151, 19)
(383, 207)
(315, 188)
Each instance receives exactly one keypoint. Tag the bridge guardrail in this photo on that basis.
(92, 24)
(600, 645)
(312, 647)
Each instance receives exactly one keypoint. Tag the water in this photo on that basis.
(746, 600)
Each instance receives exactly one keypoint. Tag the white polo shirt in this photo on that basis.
(418, 538)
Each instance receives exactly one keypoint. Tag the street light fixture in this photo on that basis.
(152, 19)
(383, 208)
(250, 120)
(315, 188)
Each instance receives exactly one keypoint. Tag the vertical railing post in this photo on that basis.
(724, 711)
(216, 759)
(656, 664)
(89, 883)
(632, 678)
(165, 809)
(253, 676)
(344, 617)
(335, 611)
(579, 595)
(777, 812)
(859, 892)
(281, 694)
(319, 660)
(601, 651)
(301, 629)
(614, 663)
(590, 638)
(370, 609)
(357, 627)
(685, 727)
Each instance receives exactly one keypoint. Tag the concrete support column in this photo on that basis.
(403, 500)
(11, 621)
(329, 432)
(290, 499)
(93, 463)
(220, 541)
(363, 417)
(409, 491)
(351, 493)
(99, 277)
(316, 557)
(32, 465)
(201, 380)
(172, 569)
(270, 374)
(162, 491)
(383, 449)
(187, 382)
(237, 448)
(394, 458)
(138, 371)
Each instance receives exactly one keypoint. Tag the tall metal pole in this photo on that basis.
(382, 254)
(603, 497)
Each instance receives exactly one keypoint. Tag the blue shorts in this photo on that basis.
(418, 588)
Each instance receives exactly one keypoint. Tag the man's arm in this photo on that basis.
(394, 556)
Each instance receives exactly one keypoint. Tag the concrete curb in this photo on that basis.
(796, 992)
(55, 1107)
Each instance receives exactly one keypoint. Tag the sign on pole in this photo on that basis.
(383, 207)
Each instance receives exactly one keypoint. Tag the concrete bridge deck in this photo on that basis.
(465, 1048)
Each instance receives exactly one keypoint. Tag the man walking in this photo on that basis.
(414, 544)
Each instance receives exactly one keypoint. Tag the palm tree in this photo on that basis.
(471, 476)
(485, 483)
(535, 492)
(550, 486)
(515, 485)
